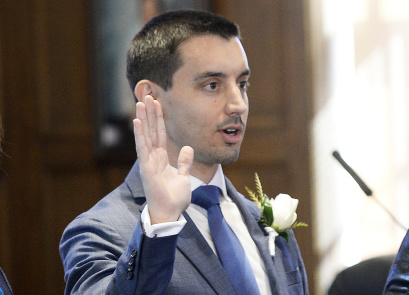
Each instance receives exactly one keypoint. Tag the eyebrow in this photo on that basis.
(219, 75)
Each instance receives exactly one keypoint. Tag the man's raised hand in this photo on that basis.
(167, 190)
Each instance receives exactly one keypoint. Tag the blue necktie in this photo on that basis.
(228, 247)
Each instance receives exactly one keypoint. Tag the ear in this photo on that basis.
(145, 87)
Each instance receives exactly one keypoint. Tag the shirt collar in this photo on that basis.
(217, 180)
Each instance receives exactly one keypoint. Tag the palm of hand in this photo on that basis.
(167, 189)
(168, 192)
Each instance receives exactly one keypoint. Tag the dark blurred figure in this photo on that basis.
(398, 279)
(5, 287)
(4, 284)
(365, 278)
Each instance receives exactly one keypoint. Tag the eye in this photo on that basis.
(211, 86)
(244, 85)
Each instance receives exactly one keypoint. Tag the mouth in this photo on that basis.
(231, 131)
(232, 134)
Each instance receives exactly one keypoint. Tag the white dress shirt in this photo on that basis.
(199, 216)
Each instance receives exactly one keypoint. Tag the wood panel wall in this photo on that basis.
(49, 173)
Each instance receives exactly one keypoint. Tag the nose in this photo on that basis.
(237, 101)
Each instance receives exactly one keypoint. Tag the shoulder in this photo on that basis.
(120, 203)
(115, 215)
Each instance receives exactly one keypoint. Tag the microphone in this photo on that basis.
(364, 187)
(351, 172)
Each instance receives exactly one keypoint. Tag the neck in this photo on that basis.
(204, 172)
(200, 170)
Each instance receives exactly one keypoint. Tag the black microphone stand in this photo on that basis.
(365, 188)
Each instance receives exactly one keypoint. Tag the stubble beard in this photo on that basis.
(215, 156)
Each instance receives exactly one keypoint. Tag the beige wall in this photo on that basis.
(360, 62)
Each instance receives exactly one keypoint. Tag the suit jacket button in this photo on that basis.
(134, 253)
(130, 276)
(131, 261)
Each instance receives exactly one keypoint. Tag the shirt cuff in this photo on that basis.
(161, 229)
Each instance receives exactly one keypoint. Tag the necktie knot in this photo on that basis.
(206, 196)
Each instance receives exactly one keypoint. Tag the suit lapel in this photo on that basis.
(194, 247)
(276, 273)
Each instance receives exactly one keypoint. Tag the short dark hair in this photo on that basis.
(153, 53)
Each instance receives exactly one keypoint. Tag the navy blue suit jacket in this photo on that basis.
(398, 279)
(104, 250)
(4, 284)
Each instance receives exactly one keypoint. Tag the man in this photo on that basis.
(5, 288)
(189, 73)
(398, 279)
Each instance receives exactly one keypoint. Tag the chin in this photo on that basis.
(228, 158)
(217, 156)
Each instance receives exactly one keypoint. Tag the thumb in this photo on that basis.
(185, 160)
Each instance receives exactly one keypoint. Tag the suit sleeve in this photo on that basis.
(97, 260)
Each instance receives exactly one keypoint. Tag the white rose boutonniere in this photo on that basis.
(277, 215)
